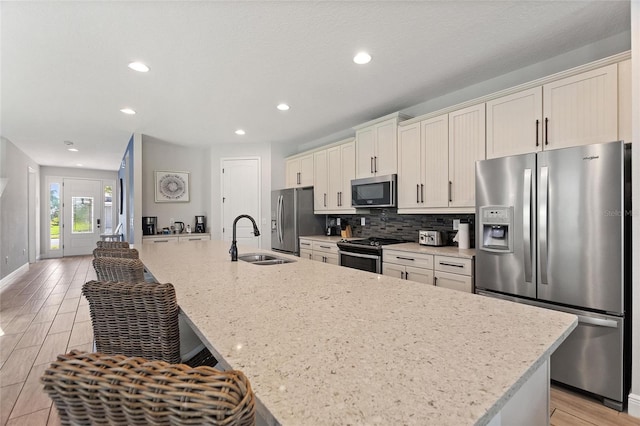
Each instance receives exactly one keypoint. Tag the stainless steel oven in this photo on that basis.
(364, 254)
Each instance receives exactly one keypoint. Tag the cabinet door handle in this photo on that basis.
(537, 131)
(338, 198)
(422, 192)
(450, 183)
(325, 199)
(401, 275)
(375, 164)
(298, 178)
(371, 164)
(546, 131)
(435, 281)
(406, 275)
(417, 193)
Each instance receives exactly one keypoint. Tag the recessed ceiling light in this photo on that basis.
(240, 132)
(362, 58)
(72, 149)
(138, 66)
(283, 107)
(128, 111)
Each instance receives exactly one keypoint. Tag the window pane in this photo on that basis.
(108, 209)
(54, 216)
(82, 215)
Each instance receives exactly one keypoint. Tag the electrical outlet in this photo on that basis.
(24, 251)
(6, 260)
(338, 221)
(363, 221)
(456, 224)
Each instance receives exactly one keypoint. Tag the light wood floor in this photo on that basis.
(43, 314)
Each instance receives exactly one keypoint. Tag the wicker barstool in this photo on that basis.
(119, 269)
(94, 388)
(138, 319)
(112, 244)
(127, 253)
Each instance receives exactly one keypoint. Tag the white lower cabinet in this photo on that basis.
(443, 271)
(454, 273)
(174, 238)
(326, 252)
(408, 266)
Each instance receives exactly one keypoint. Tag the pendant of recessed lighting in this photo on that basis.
(70, 146)
(139, 66)
(362, 58)
(283, 107)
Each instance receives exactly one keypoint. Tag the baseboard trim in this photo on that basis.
(634, 405)
(21, 270)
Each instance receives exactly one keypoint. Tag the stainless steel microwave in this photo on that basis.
(377, 191)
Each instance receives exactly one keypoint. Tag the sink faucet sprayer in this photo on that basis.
(234, 249)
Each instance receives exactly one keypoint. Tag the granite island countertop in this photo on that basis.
(322, 344)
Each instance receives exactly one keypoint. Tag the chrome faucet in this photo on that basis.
(234, 249)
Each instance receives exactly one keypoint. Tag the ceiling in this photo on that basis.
(219, 66)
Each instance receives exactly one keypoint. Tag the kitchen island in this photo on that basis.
(322, 344)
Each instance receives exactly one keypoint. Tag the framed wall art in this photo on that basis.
(172, 187)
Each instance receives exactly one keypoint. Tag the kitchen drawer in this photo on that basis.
(305, 244)
(453, 281)
(398, 257)
(456, 265)
(187, 238)
(160, 240)
(325, 247)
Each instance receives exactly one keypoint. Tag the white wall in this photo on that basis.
(158, 155)
(634, 397)
(14, 170)
(263, 151)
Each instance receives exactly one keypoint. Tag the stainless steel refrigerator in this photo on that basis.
(291, 217)
(553, 231)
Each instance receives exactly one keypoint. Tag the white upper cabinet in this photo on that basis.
(624, 100)
(320, 181)
(423, 169)
(514, 124)
(334, 169)
(581, 109)
(377, 148)
(466, 146)
(299, 171)
(577, 110)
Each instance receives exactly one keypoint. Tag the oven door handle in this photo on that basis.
(365, 256)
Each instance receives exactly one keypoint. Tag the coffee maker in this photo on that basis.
(201, 225)
(149, 225)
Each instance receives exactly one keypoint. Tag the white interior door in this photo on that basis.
(82, 212)
(241, 195)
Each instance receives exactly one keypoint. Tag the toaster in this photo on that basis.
(431, 238)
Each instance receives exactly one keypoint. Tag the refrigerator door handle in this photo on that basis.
(526, 224)
(280, 217)
(544, 223)
(597, 321)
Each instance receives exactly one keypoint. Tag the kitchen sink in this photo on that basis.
(263, 259)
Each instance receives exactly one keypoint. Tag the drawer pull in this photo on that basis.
(195, 239)
(305, 244)
(326, 247)
(161, 241)
(405, 258)
(452, 264)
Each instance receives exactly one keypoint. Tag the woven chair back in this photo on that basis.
(112, 244)
(134, 319)
(127, 253)
(119, 269)
(94, 388)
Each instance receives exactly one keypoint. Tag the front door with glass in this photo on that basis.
(82, 210)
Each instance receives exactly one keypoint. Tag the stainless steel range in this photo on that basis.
(364, 254)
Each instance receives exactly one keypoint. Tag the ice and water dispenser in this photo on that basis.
(496, 228)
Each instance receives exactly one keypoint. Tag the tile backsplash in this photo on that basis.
(388, 223)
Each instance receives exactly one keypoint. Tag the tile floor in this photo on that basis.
(43, 314)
